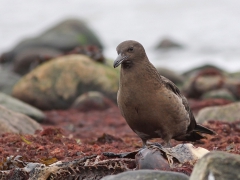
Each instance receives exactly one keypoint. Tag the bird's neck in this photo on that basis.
(142, 74)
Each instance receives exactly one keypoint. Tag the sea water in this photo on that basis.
(209, 31)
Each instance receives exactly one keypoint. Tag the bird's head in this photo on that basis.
(129, 53)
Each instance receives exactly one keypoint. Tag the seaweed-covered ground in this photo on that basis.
(72, 134)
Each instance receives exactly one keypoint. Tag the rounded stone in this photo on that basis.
(57, 83)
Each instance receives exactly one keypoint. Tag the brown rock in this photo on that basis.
(151, 159)
(11, 121)
(92, 101)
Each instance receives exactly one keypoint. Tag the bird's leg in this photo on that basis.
(144, 141)
(168, 144)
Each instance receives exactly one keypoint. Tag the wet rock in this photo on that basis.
(63, 37)
(228, 113)
(57, 83)
(173, 76)
(11, 121)
(21, 107)
(147, 175)
(148, 158)
(217, 166)
(168, 43)
(29, 58)
(7, 81)
(92, 100)
(219, 94)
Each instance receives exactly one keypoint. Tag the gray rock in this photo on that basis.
(92, 100)
(21, 107)
(147, 175)
(31, 57)
(219, 93)
(64, 36)
(217, 166)
(229, 112)
(57, 83)
(8, 80)
(167, 43)
(13, 122)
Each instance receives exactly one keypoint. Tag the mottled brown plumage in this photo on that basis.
(151, 104)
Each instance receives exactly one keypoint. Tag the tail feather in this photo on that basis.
(202, 129)
(196, 134)
(193, 136)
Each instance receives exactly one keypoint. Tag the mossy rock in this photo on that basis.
(229, 113)
(217, 165)
(57, 83)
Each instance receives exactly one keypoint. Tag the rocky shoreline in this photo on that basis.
(59, 116)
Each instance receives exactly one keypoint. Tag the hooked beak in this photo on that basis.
(119, 60)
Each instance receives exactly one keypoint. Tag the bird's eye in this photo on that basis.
(130, 49)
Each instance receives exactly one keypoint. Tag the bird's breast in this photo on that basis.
(149, 112)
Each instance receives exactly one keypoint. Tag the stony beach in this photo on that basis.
(59, 117)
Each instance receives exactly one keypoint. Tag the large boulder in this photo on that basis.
(218, 166)
(57, 83)
(21, 107)
(62, 37)
(229, 112)
(147, 175)
(13, 122)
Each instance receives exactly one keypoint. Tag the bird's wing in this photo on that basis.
(172, 87)
(193, 127)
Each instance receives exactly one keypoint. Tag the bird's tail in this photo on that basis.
(196, 134)
(201, 129)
